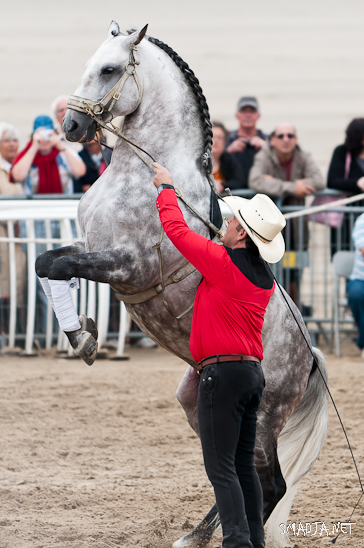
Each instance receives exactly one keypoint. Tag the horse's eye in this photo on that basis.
(108, 70)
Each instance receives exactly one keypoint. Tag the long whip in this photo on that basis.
(332, 400)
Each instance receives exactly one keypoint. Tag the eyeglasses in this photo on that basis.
(288, 135)
(7, 141)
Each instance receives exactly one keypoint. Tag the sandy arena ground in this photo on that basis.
(103, 456)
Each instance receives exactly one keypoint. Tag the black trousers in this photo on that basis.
(228, 401)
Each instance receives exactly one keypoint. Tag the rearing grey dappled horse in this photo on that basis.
(166, 113)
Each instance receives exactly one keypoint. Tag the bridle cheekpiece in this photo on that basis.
(96, 108)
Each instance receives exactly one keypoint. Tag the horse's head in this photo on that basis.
(114, 65)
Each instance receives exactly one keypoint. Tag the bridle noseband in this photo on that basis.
(96, 108)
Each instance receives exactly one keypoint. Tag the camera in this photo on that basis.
(249, 145)
(46, 134)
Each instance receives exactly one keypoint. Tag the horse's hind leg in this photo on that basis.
(187, 393)
(270, 475)
(202, 534)
(266, 461)
(273, 486)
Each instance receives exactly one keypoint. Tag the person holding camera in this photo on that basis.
(46, 165)
(247, 140)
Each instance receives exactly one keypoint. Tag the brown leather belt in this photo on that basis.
(226, 358)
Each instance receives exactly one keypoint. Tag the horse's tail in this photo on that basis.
(299, 445)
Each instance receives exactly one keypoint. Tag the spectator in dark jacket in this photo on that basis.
(227, 171)
(346, 173)
(247, 140)
(95, 163)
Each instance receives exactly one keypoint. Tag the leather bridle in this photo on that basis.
(95, 109)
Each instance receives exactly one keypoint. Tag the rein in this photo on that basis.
(95, 109)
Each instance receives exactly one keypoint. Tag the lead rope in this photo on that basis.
(332, 400)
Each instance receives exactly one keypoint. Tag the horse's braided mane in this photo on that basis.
(201, 99)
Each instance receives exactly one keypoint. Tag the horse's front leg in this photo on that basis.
(55, 269)
(105, 267)
(45, 261)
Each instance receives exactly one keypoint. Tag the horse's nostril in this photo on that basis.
(73, 126)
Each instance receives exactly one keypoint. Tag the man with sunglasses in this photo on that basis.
(282, 169)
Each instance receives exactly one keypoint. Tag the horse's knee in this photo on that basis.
(43, 264)
(61, 269)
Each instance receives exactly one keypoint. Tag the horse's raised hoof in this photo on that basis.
(87, 348)
(84, 345)
(87, 324)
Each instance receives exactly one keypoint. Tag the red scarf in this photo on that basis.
(48, 171)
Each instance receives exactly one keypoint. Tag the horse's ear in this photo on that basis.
(113, 29)
(136, 37)
(141, 35)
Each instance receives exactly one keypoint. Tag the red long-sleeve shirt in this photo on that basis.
(229, 308)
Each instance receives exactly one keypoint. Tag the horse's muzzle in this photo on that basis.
(79, 127)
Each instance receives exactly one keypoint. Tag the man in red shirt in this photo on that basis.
(226, 342)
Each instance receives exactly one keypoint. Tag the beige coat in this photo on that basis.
(10, 189)
(266, 162)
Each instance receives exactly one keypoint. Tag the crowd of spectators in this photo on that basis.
(245, 158)
(277, 166)
(48, 164)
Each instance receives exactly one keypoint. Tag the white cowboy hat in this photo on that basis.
(263, 221)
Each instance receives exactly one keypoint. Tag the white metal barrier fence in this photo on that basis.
(41, 219)
(308, 261)
(36, 220)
